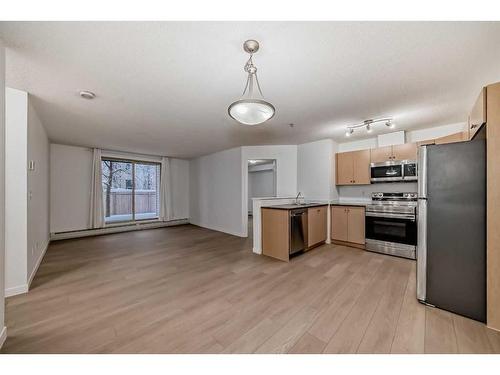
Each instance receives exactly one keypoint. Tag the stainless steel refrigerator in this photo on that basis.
(451, 243)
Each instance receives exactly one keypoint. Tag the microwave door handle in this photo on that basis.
(391, 172)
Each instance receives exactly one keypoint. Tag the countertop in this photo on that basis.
(292, 206)
(350, 203)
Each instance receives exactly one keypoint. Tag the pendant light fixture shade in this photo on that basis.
(251, 109)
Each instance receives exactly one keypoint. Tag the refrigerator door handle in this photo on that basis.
(422, 250)
(422, 172)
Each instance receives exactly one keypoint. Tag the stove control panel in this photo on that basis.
(397, 196)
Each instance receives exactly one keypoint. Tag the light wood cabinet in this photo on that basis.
(353, 168)
(348, 224)
(478, 114)
(316, 225)
(452, 138)
(426, 142)
(339, 223)
(275, 225)
(380, 154)
(356, 225)
(406, 151)
(344, 168)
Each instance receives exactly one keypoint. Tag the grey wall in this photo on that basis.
(364, 191)
(2, 192)
(215, 186)
(38, 191)
(260, 184)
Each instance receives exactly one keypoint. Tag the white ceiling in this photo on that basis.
(164, 87)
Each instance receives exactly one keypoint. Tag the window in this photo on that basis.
(130, 190)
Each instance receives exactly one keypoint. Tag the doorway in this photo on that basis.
(261, 182)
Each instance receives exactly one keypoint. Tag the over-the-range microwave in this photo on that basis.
(394, 170)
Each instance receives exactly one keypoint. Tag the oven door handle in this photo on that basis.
(391, 172)
(391, 215)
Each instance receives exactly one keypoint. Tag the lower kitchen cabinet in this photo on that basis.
(316, 225)
(279, 231)
(276, 233)
(348, 224)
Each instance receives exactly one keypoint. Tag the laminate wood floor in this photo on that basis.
(191, 290)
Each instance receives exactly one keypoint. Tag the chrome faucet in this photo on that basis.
(297, 198)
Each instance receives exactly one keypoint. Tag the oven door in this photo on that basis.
(391, 227)
(386, 172)
(410, 171)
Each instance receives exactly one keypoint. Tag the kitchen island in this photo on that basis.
(291, 228)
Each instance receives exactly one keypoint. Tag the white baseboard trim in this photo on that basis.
(15, 290)
(3, 336)
(218, 229)
(116, 229)
(37, 264)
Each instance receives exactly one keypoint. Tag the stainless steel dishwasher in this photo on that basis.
(298, 230)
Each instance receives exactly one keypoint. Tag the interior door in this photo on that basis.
(339, 223)
(361, 167)
(356, 225)
(344, 168)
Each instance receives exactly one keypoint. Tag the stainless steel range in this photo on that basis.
(391, 224)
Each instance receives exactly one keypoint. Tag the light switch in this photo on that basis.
(31, 165)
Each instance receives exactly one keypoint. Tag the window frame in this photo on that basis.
(133, 162)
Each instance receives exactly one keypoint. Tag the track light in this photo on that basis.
(368, 124)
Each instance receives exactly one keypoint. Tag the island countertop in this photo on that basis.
(292, 206)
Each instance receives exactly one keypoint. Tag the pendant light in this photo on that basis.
(251, 109)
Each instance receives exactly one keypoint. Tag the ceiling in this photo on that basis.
(164, 87)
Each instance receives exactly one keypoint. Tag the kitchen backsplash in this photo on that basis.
(364, 191)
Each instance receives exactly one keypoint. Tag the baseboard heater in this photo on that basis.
(116, 229)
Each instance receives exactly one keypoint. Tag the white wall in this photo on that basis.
(70, 179)
(260, 184)
(435, 132)
(216, 191)
(361, 144)
(16, 183)
(3, 329)
(38, 192)
(70, 176)
(180, 187)
(316, 169)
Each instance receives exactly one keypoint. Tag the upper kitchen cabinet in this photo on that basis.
(353, 168)
(478, 114)
(380, 154)
(406, 151)
(452, 138)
